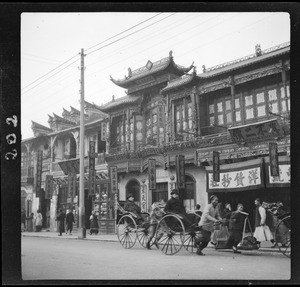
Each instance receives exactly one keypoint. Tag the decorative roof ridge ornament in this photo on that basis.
(171, 54)
(149, 65)
(129, 73)
(258, 51)
(203, 69)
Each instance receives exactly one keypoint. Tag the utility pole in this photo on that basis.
(81, 230)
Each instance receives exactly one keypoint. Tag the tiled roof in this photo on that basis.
(60, 119)
(149, 69)
(74, 111)
(183, 80)
(120, 101)
(39, 126)
(245, 61)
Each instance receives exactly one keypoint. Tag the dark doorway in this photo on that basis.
(44, 206)
(160, 193)
(134, 187)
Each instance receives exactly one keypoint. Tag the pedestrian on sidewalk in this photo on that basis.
(38, 221)
(209, 217)
(262, 231)
(94, 229)
(23, 220)
(69, 221)
(30, 222)
(61, 222)
(48, 218)
(236, 226)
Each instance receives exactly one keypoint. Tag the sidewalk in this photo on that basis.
(265, 246)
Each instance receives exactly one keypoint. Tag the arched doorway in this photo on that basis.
(134, 187)
(189, 194)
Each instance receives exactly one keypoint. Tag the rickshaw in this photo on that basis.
(171, 234)
(282, 227)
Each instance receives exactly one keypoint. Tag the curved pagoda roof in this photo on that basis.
(115, 103)
(150, 69)
(39, 129)
(181, 81)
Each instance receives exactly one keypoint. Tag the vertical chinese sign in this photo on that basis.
(39, 167)
(273, 154)
(92, 171)
(180, 171)
(113, 175)
(152, 173)
(103, 131)
(49, 186)
(216, 166)
(71, 186)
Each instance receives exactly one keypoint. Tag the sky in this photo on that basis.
(114, 41)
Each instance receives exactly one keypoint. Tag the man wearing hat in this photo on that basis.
(131, 206)
(175, 205)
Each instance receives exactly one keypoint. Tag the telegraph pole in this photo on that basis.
(81, 230)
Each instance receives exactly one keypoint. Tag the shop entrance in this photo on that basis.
(44, 207)
(88, 204)
(247, 198)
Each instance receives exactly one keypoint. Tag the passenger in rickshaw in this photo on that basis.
(131, 206)
(175, 205)
(156, 214)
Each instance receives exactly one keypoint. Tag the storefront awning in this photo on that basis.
(240, 176)
(264, 130)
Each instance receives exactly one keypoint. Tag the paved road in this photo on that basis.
(49, 258)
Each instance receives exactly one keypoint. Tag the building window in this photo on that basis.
(184, 117)
(155, 124)
(161, 192)
(285, 100)
(24, 159)
(220, 112)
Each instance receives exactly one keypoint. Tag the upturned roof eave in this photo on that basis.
(125, 83)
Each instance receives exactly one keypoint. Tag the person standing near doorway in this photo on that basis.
(38, 221)
(69, 221)
(48, 218)
(23, 220)
(61, 222)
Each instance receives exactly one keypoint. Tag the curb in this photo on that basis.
(272, 250)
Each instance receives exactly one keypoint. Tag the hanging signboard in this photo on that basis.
(39, 166)
(180, 171)
(216, 166)
(152, 173)
(71, 185)
(92, 155)
(92, 182)
(113, 175)
(48, 186)
(103, 131)
(237, 177)
(273, 156)
(284, 176)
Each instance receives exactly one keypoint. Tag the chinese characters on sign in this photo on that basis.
(216, 166)
(113, 174)
(92, 171)
(144, 198)
(273, 154)
(103, 131)
(71, 185)
(39, 165)
(49, 186)
(180, 171)
(152, 174)
(236, 179)
(284, 175)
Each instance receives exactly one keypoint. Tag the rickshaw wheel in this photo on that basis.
(127, 231)
(283, 236)
(189, 242)
(170, 234)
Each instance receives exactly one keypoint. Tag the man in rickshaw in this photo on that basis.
(175, 205)
(131, 206)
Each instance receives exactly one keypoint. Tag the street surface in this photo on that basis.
(51, 258)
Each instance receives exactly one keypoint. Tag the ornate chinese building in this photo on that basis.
(235, 108)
